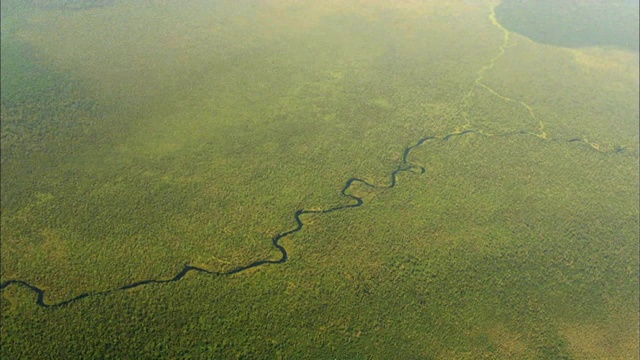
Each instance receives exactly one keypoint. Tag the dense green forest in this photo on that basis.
(332, 179)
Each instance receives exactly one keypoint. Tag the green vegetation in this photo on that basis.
(144, 136)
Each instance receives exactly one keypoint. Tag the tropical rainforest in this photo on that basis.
(277, 179)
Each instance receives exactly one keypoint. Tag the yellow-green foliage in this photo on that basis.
(158, 134)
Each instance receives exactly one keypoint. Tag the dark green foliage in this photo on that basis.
(192, 132)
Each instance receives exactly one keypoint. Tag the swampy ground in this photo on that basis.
(140, 137)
